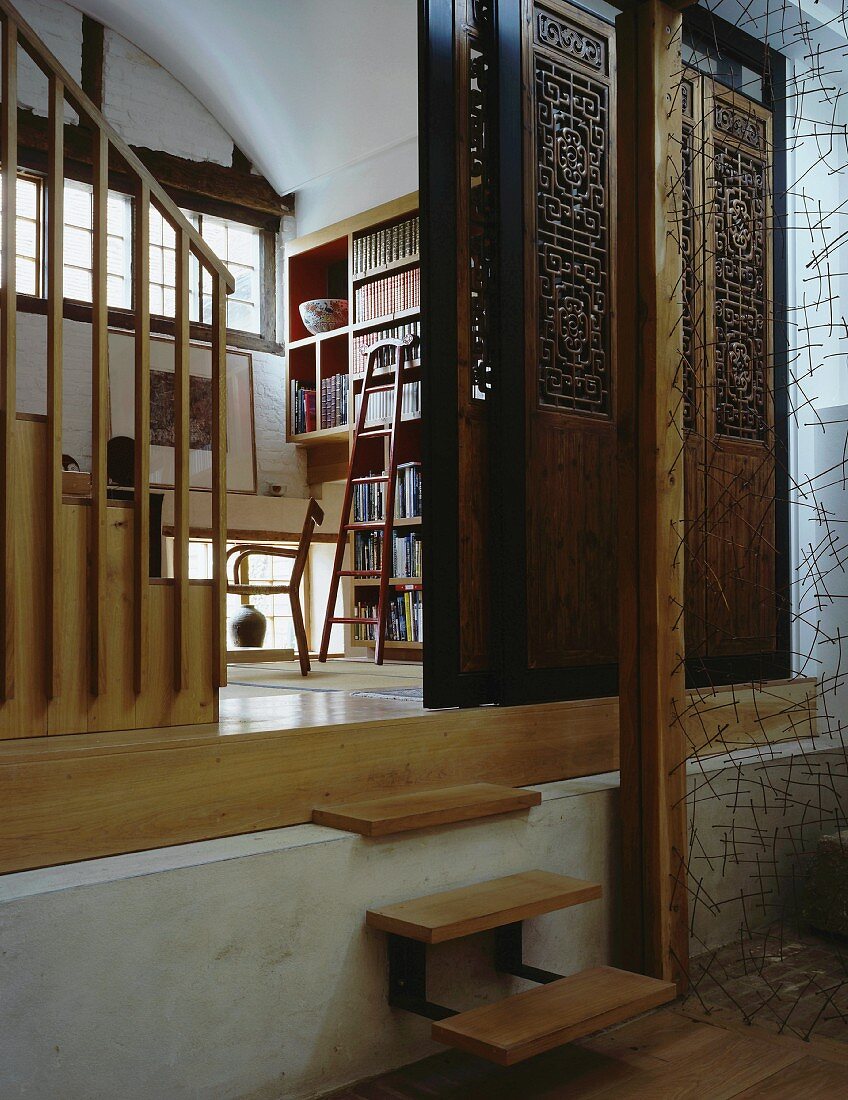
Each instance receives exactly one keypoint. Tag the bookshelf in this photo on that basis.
(372, 260)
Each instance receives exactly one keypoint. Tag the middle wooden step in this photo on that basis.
(455, 913)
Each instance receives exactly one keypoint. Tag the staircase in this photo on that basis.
(562, 1008)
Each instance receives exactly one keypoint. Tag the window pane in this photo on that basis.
(239, 246)
(28, 192)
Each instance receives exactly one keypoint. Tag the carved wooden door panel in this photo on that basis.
(558, 401)
(731, 446)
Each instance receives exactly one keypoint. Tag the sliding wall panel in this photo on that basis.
(570, 396)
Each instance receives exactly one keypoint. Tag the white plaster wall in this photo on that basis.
(242, 968)
(359, 186)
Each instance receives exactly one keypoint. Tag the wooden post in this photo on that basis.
(219, 475)
(652, 675)
(98, 594)
(8, 355)
(181, 463)
(141, 488)
(55, 321)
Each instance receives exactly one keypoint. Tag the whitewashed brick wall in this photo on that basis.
(150, 108)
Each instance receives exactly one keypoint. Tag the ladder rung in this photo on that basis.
(372, 525)
(378, 389)
(373, 434)
(361, 622)
(372, 479)
(360, 573)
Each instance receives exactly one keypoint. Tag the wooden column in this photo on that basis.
(652, 676)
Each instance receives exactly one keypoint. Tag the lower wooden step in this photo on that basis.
(455, 913)
(531, 1023)
(400, 813)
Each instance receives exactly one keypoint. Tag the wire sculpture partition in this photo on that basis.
(766, 893)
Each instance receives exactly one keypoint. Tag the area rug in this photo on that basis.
(395, 693)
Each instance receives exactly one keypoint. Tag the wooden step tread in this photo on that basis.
(455, 913)
(551, 1015)
(399, 813)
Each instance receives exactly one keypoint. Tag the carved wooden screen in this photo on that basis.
(570, 413)
(475, 45)
(731, 600)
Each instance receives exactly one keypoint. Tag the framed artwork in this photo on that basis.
(241, 444)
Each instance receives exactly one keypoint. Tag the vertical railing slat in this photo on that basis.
(219, 476)
(99, 395)
(181, 463)
(141, 494)
(8, 354)
(55, 298)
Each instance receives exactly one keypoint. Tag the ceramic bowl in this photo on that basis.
(324, 314)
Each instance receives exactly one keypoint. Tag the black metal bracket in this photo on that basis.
(408, 970)
(408, 978)
(509, 956)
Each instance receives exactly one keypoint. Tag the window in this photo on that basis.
(28, 220)
(277, 609)
(238, 245)
(78, 241)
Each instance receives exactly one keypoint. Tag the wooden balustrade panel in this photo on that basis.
(75, 709)
(571, 450)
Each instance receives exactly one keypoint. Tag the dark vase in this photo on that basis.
(248, 627)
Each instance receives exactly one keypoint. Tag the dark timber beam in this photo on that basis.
(186, 181)
(652, 685)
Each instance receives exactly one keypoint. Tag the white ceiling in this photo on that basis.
(305, 87)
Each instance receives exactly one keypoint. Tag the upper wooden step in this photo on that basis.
(455, 913)
(541, 1019)
(399, 813)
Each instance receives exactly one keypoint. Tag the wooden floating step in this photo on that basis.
(531, 1023)
(399, 813)
(456, 913)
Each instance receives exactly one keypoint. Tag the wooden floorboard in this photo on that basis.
(665, 1055)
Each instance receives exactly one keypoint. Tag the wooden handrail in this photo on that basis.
(51, 66)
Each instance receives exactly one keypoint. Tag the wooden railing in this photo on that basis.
(106, 144)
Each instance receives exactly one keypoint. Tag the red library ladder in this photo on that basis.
(379, 378)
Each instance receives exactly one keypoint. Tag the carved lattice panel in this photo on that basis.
(687, 248)
(572, 129)
(741, 286)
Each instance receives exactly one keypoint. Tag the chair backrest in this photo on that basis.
(314, 518)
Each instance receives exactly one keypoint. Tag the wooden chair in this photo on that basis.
(242, 551)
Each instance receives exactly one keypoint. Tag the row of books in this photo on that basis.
(408, 491)
(386, 357)
(406, 553)
(334, 391)
(302, 408)
(405, 621)
(389, 295)
(385, 246)
(381, 405)
(369, 499)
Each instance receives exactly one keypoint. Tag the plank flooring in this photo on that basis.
(665, 1055)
